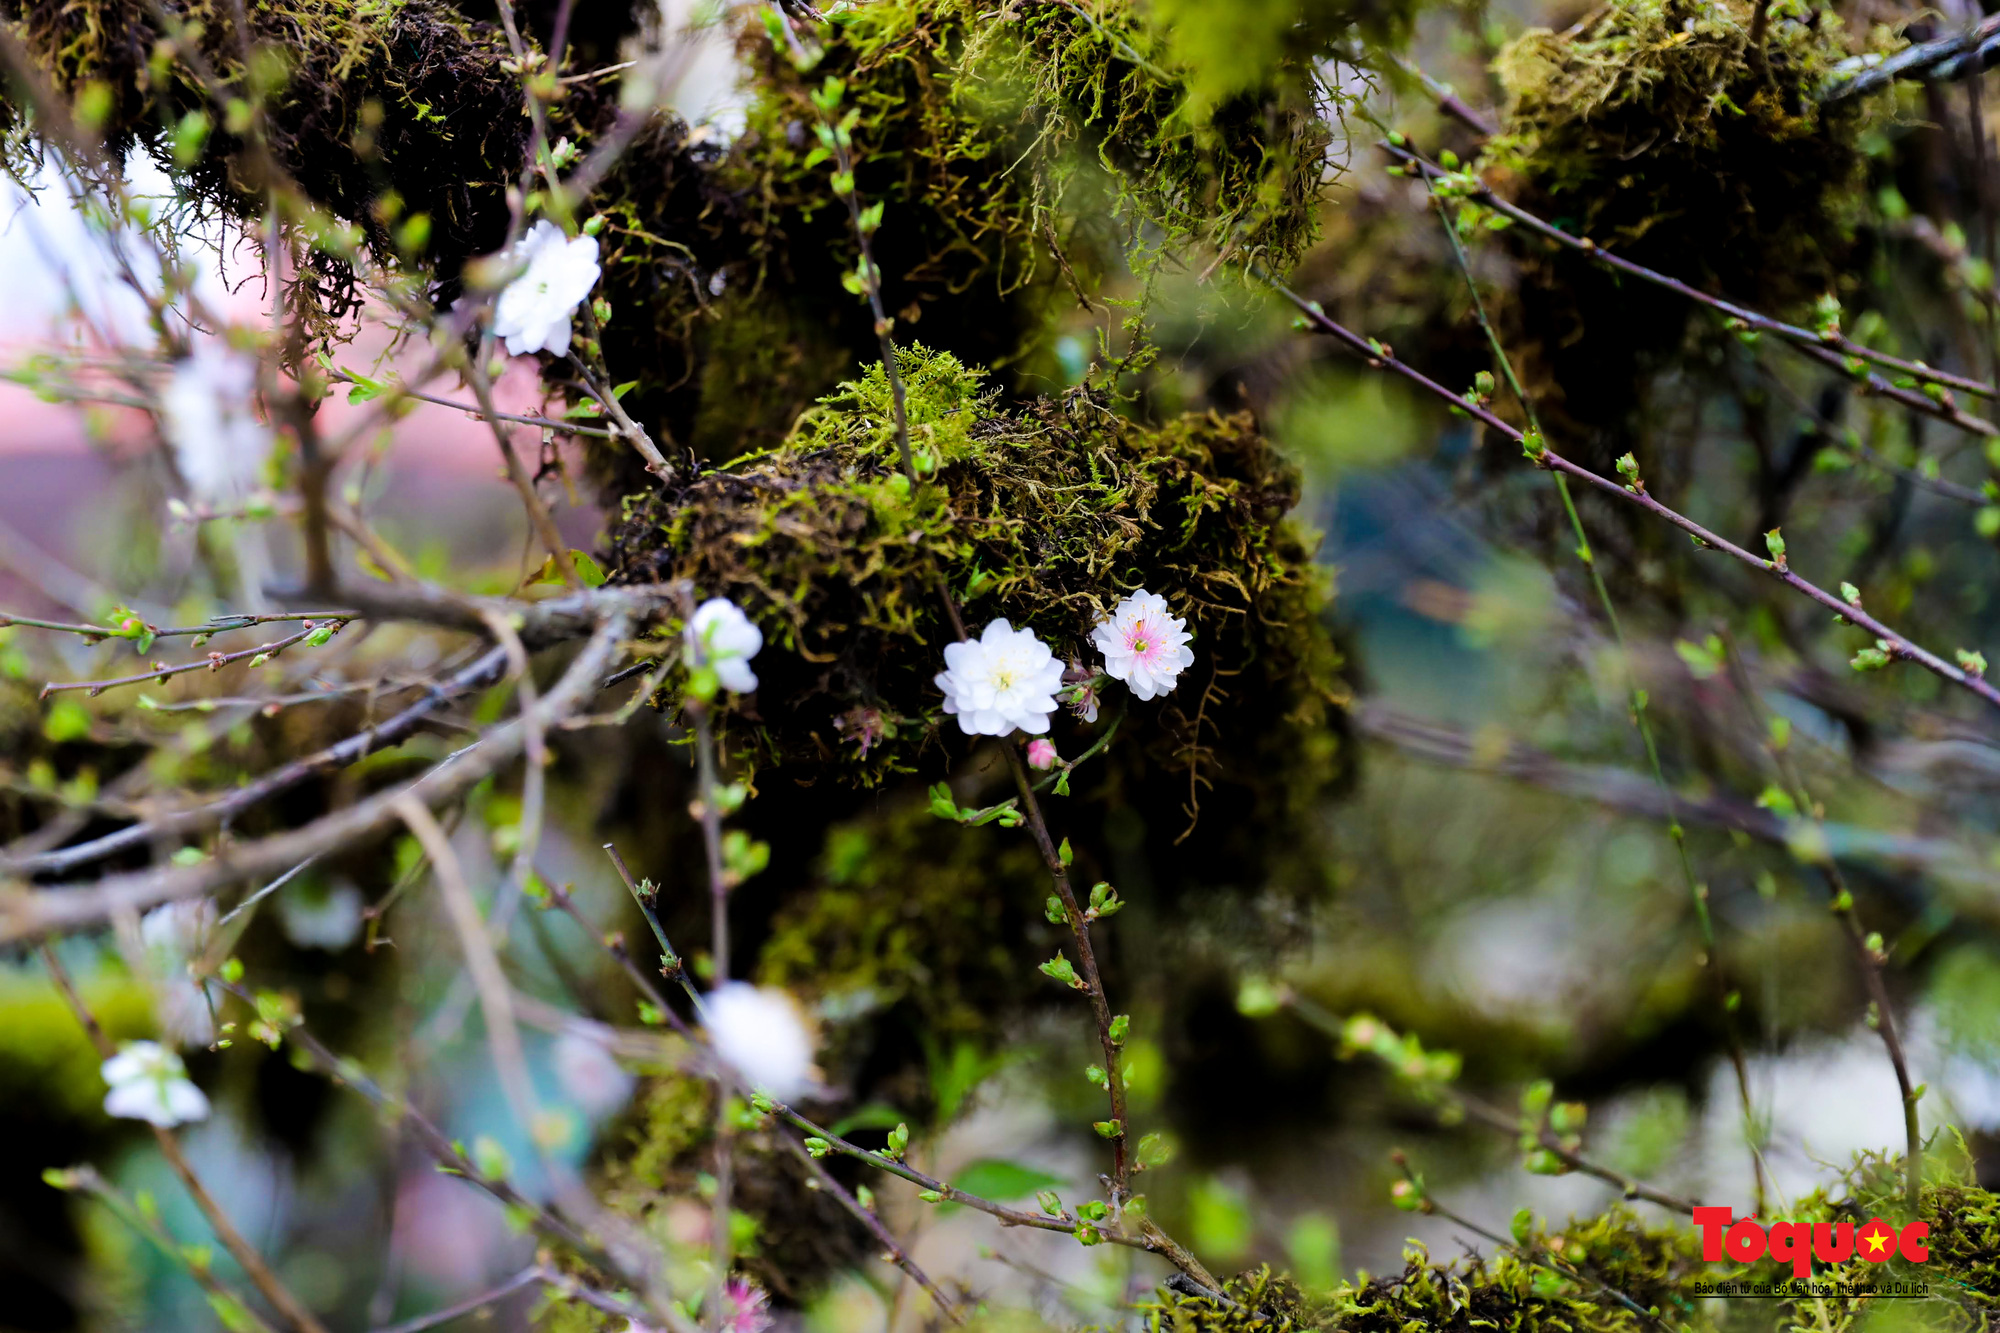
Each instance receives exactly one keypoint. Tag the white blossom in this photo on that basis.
(1143, 645)
(724, 639)
(148, 1082)
(208, 416)
(534, 310)
(760, 1033)
(1005, 680)
(174, 935)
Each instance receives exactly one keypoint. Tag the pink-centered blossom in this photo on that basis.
(1041, 754)
(1144, 645)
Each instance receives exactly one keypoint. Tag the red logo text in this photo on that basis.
(1799, 1243)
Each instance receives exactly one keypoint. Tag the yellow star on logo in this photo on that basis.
(1876, 1242)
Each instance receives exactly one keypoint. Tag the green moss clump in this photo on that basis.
(1677, 135)
(394, 100)
(1019, 153)
(1657, 1266)
(1046, 516)
(986, 123)
(908, 942)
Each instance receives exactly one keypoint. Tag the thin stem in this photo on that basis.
(1498, 1118)
(288, 1306)
(892, 1250)
(1867, 960)
(1636, 702)
(213, 662)
(1038, 828)
(1149, 1237)
(671, 964)
(527, 1278)
(481, 673)
(1826, 347)
(1378, 356)
(220, 1296)
(524, 485)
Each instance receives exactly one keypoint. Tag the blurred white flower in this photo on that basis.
(589, 1074)
(1143, 645)
(174, 935)
(1004, 680)
(208, 415)
(761, 1034)
(533, 311)
(148, 1082)
(725, 639)
(321, 918)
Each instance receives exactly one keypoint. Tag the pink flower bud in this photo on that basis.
(1041, 754)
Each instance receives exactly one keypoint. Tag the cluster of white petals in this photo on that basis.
(762, 1035)
(1007, 680)
(534, 310)
(1144, 645)
(723, 639)
(148, 1082)
(208, 416)
(1001, 682)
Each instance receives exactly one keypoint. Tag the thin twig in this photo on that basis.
(1636, 706)
(213, 662)
(1866, 958)
(288, 1306)
(80, 906)
(1378, 356)
(390, 731)
(892, 1250)
(1827, 348)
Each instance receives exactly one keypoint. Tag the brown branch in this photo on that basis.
(391, 731)
(1379, 357)
(1100, 1004)
(892, 1250)
(213, 662)
(26, 913)
(1826, 348)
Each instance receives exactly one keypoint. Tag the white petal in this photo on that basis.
(735, 674)
(762, 1036)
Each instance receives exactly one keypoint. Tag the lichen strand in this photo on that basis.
(988, 132)
(1664, 130)
(378, 111)
(1656, 1266)
(1046, 516)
